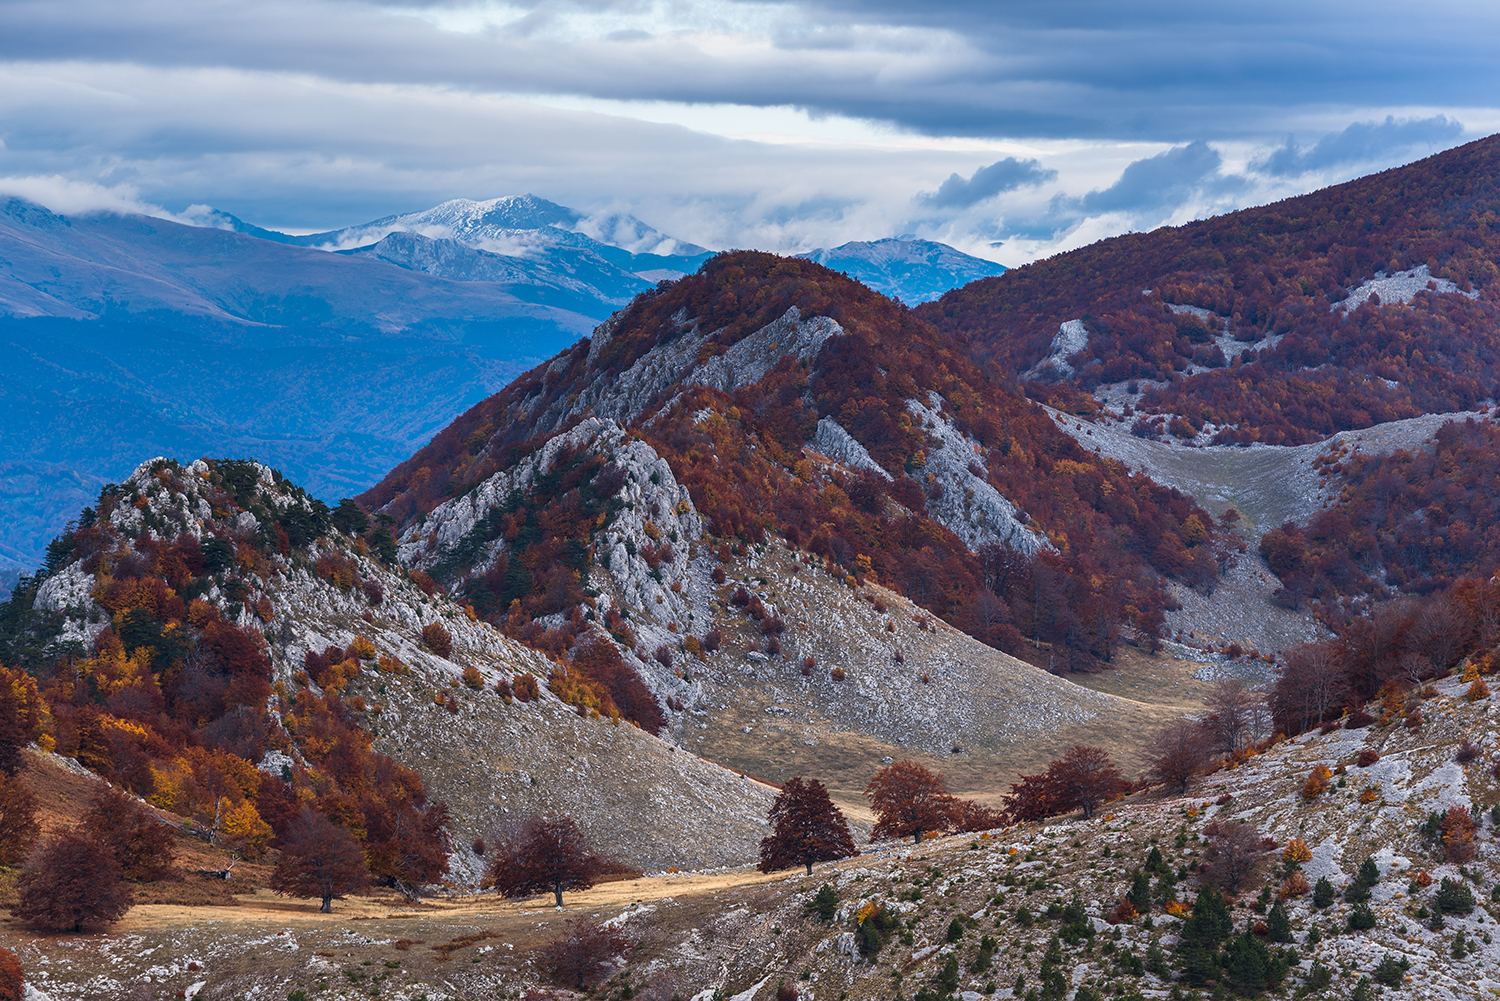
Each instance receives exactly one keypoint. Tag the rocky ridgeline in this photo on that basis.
(494, 760)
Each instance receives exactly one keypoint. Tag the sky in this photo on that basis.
(1012, 129)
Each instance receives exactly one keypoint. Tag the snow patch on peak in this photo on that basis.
(967, 504)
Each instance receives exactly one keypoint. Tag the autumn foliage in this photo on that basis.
(908, 800)
(546, 854)
(742, 456)
(319, 860)
(72, 883)
(805, 828)
(1277, 271)
(18, 824)
(1082, 779)
(173, 700)
(140, 843)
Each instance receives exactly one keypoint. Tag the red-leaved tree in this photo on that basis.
(18, 826)
(806, 828)
(12, 977)
(547, 853)
(587, 953)
(72, 883)
(129, 829)
(1086, 777)
(319, 859)
(908, 800)
(969, 816)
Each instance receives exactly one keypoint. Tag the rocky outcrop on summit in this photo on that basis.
(673, 364)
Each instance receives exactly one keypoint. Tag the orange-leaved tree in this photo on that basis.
(806, 828)
(908, 800)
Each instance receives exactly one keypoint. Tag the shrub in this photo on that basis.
(362, 648)
(1361, 918)
(1317, 782)
(435, 636)
(1296, 852)
(1295, 885)
(824, 903)
(1390, 971)
(1358, 719)
(586, 953)
(1367, 757)
(72, 883)
(1369, 795)
(525, 687)
(1466, 752)
(1323, 892)
(837, 674)
(1458, 829)
(502, 688)
(712, 640)
(1478, 690)
(472, 679)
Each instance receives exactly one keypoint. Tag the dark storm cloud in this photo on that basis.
(1157, 70)
(987, 182)
(1361, 142)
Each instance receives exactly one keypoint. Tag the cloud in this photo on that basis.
(66, 196)
(987, 182)
(1361, 142)
(1162, 180)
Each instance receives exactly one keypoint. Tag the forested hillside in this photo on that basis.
(790, 400)
(1361, 303)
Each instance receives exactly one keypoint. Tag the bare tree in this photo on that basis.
(1179, 751)
(1235, 855)
(585, 954)
(1310, 685)
(1232, 713)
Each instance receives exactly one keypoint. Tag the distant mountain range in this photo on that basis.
(907, 269)
(332, 355)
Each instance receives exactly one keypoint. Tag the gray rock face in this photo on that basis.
(969, 506)
(1072, 337)
(673, 364)
(637, 797)
(839, 445)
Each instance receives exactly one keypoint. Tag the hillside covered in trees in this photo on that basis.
(1263, 325)
(790, 400)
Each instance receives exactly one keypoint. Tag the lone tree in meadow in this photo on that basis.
(319, 859)
(806, 828)
(1085, 777)
(908, 799)
(547, 853)
(72, 883)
